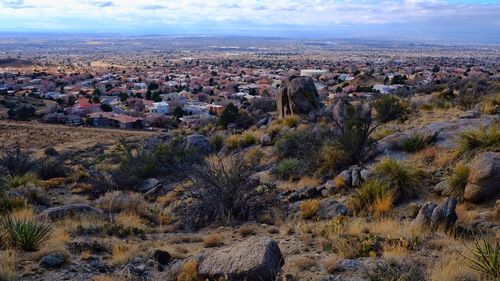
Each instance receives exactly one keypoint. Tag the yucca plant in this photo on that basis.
(485, 258)
(25, 234)
(458, 180)
(415, 143)
(371, 191)
(474, 141)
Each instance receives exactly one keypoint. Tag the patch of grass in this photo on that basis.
(27, 235)
(189, 272)
(10, 182)
(458, 180)
(247, 230)
(291, 121)
(309, 208)
(217, 142)
(233, 141)
(382, 132)
(402, 179)
(287, 168)
(373, 196)
(330, 264)
(394, 270)
(247, 139)
(8, 265)
(122, 253)
(414, 143)
(212, 240)
(485, 258)
(474, 141)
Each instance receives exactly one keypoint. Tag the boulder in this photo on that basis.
(441, 187)
(344, 179)
(162, 257)
(72, 210)
(266, 140)
(148, 184)
(484, 178)
(329, 208)
(355, 178)
(298, 95)
(199, 142)
(433, 216)
(52, 261)
(257, 258)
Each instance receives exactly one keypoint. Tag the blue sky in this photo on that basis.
(464, 21)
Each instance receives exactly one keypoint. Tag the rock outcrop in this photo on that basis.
(199, 142)
(72, 210)
(252, 259)
(433, 216)
(298, 95)
(484, 178)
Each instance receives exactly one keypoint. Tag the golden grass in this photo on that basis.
(129, 219)
(330, 264)
(452, 267)
(309, 208)
(105, 278)
(8, 264)
(189, 272)
(25, 213)
(294, 185)
(122, 252)
(247, 230)
(212, 240)
(291, 121)
(53, 183)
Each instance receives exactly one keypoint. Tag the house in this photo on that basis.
(110, 119)
(215, 109)
(83, 106)
(196, 108)
(158, 107)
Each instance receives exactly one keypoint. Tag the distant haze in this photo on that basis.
(452, 21)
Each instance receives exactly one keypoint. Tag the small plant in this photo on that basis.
(233, 141)
(403, 180)
(8, 265)
(373, 195)
(415, 143)
(247, 139)
(10, 182)
(50, 169)
(389, 108)
(288, 168)
(24, 233)
(217, 142)
(309, 208)
(212, 240)
(189, 272)
(458, 180)
(396, 271)
(247, 230)
(485, 258)
(483, 139)
(15, 160)
(291, 121)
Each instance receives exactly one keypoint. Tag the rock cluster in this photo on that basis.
(298, 95)
(433, 216)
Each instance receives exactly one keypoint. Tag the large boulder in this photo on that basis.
(484, 178)
(253, 259)
(199, 142)
(433, 216)
(329, 208)
(298, 95)
(72, 210)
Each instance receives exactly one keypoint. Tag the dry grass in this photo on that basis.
(129, 219)
(395, 251)
(73, 225)
(189, 272)
(294, 185)
(25, 213)
(122, 252)
(105, 278)
(330, 264)
(452, 267)
(53, 183)
(213, 240)
(247, 230)
(8, 264)
(309, 209)
(178, 239)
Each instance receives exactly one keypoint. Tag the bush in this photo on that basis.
(300, 144)
(25, 234)
(485, 258)
(403, 180)
(415, 143)
(458, 180)
(371, 194)
(309, 208)
(396, 271)
(491, 105)
(223, 191)
(389, 108)
(189, 271)
(217, 142)
(233, 141)
(50, 169)
(474, 141)
(10, 182)
(291, 121)
(15, 160)
(247, 139)
(287, 168)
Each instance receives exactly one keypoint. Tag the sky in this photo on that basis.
(464, 21)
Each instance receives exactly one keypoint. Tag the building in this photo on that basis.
(158, 107)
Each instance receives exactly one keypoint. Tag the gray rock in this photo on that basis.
(329, 208)
(345, 177)
(53, 261)
(266, 140)
(148, 184)
(484, 178)
(199, 142)
(298, 95)
(72, 210)
(355, 178)
(365, 174)
(444, 215)
(441, 187)
(256, 258)
(423, 219)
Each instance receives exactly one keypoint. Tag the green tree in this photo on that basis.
(106, 107)
(229, 115)
(178, 112)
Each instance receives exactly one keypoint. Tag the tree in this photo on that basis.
(106, 107)
(398, 79)
(178, 112)
(153, 86)
(123, 97)
(389, 108)
(229, 115)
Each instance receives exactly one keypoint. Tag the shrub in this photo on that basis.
(392, 270)
(309, 208)
(458, 180)
(300, 144)
(212, 240)
(370, 194)
(382, 132)
(50, 169)
(222, 191)
(329, 160)
(233, 141)
(403, 180)
(217, 142)
(8, 265)
(389, 108)
(485, 258)
(10, 182)
(189, 271)
(415, 143)
(247, 230)
(288, 168)
(291, 121)
(25, 234)
(247, 139)
(15, 160)
(491, 105)
(474, 141)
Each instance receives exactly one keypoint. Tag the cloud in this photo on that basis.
(102, 4)
(15, 4)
